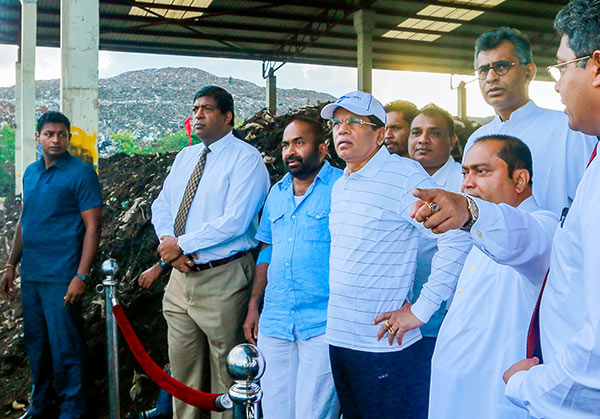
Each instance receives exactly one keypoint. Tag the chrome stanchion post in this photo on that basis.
(245, 364)
(109, 285)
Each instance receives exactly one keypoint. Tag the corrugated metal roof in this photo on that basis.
(418, 35)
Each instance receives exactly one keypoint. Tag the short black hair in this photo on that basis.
(316, 128)
(580, 21)
(222, 97)
(432, 109)
(514, 152)
(492, 39)
(52, 117)
(408, 109)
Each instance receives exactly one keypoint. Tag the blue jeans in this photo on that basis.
(54, 347)
(374, 385)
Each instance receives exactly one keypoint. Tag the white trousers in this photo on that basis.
(297, 382)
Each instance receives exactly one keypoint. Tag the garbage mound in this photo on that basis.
(129, 186)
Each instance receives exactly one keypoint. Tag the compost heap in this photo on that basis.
(129, 185)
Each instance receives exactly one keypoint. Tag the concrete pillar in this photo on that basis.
(462, 100)
(18, 138)
(364, 22)
(272, 92)
(27, 118)
(79, 39)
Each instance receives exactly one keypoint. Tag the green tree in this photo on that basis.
(125, 142)
(7, 160)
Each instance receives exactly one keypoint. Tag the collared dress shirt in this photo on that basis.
(448, 177)
(485, 329)
(567, 384)
(298, 288)
(374, 245)
(52, 229)
(223, 216)
(560, 154)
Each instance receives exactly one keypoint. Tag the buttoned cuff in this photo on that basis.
(512, 389)
(423, 309)
(186, 244)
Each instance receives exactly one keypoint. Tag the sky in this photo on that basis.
(420, 88)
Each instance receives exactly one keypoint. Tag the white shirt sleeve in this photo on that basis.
(515, 237)
(447, 262)
(569, 386)
(247, 191)
(161, 207)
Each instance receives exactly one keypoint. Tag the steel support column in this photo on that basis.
(364, 21)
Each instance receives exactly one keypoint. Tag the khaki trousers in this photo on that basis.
(205, 312)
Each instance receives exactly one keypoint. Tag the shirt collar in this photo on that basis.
(374, 164)
(443, 172)
(220, 144)
(529, 204)
(523, 112)
(61, 163)
(324, 175)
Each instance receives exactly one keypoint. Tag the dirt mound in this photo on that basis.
(129, 185)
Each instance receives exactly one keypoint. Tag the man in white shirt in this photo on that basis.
(399, 115)
(567, 383)
(206, 217)
(431, 139)
(504, 65)
(372, 263)
(487, 322)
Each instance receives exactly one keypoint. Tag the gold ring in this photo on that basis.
(433, 206)
(389, 328)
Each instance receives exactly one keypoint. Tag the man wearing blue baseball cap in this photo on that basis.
(374, 245)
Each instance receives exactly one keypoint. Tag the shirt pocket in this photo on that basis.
(277, 221)
(316, 226)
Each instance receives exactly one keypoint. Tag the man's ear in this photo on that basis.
(453, 141)
(380, 136)
(521, 178)
(530, 71)
(229, 117)
(595, 63)
(37, 137)
(323, 150)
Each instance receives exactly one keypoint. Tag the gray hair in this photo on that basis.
(580, 21)
(492, 39)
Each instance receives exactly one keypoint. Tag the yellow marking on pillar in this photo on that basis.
(83, 146)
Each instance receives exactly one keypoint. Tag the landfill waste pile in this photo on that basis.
(129, 185)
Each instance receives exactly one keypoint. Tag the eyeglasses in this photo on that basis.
(557, 70)
(352, 122)
(500, 68)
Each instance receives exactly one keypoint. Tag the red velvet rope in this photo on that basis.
(191, 396)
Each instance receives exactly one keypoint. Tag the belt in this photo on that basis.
(219, 262)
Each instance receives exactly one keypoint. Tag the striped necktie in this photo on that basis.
(188, 195)
(533, 334)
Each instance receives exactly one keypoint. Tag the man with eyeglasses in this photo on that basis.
(563, 381)
(373, 254)
(504, 66)
(399, 114)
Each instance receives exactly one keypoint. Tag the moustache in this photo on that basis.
(291, 159)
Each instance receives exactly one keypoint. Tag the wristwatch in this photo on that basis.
(473, 210)
(84, 278)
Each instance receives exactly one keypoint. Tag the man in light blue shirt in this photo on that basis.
(295, 226)
(205, 217)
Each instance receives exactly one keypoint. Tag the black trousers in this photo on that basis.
(378, 385)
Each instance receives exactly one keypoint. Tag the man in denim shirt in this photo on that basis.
(295, 224)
